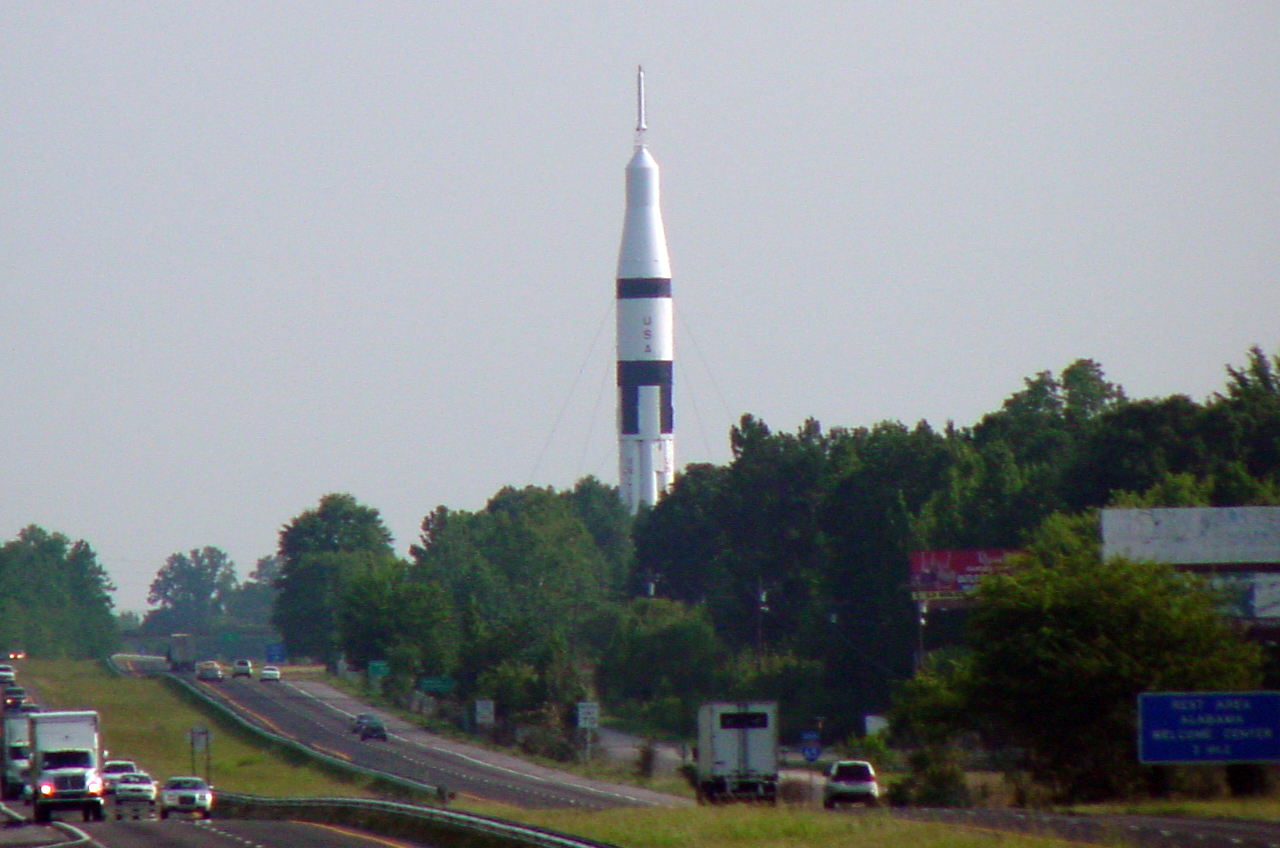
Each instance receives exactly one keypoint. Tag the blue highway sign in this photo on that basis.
(810, 747)
(1209, 727)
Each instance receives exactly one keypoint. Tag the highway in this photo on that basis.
(222, 833)
(319, 716)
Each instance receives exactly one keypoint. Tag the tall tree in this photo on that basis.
(313, 550)
(54, 597)
(190, 590)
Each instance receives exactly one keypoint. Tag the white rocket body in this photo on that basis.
(646, 448)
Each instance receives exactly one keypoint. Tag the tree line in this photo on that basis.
(780, 574)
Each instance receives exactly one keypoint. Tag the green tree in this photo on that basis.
(251, 603)
(663, 659)
(313, 550)
(54, 597)
(1062, 646)
(529, 587)
(385, 614)
(190, 590)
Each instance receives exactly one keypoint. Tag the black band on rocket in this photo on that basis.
(644, 372)
(643, 287)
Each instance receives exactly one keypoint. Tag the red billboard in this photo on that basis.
(952, 575)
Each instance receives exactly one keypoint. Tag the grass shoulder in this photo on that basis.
(145, 721)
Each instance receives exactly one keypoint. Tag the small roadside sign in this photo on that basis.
(199, 737)
(1209, 727)
(436, 685)
(485, 713)
(588, 715)
(810, 746)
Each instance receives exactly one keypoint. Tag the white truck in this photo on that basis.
(65, 762)
(15, 751)
(737, 756)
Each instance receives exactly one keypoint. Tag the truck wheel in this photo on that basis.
(164, 814)
(40, 815)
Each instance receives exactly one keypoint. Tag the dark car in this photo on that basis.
(358, 723)
(373, 729)
(14, 697)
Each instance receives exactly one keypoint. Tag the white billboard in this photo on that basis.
(1245, 535)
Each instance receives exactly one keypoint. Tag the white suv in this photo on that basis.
(242, 668)
(851, 780)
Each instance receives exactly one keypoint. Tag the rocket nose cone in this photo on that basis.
(643, 159)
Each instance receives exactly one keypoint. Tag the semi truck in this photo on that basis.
(15, 751)
(182, 652)
(65, 764)
(737, 756)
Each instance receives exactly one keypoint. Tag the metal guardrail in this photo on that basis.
(430, 825)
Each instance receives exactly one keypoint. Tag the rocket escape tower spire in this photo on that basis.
(646, 448)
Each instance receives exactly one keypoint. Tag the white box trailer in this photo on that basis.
(737, 758)
(14, 755)
(66, 759)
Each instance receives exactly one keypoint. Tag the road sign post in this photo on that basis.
(200, 739)
(588, 721)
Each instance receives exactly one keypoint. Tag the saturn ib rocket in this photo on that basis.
(646, 447)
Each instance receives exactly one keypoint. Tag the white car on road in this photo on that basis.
(135, 786)
(186, 795)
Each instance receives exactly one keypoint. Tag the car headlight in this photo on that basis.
(46, 788)
(95, 785)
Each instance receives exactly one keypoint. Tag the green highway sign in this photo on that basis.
(436, 685)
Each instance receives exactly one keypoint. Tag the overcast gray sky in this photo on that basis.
(251, 253)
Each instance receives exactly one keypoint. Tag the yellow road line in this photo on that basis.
(331, 752)
(381, 840)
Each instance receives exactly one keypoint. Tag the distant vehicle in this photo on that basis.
(358, 723)
(134, 787)
(182, 652)
(269, 672)
(112, 771)
(17, 654)
(14, 697)
(737, 756)
(186, 795)
(6, 667)
(15, 755)
(8, 678)
(210, 670)
(373, 729)
(853, 781)
(242, 668)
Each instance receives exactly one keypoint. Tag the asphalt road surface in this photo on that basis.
(1145, 831)
(319, 716)
(223, 833)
